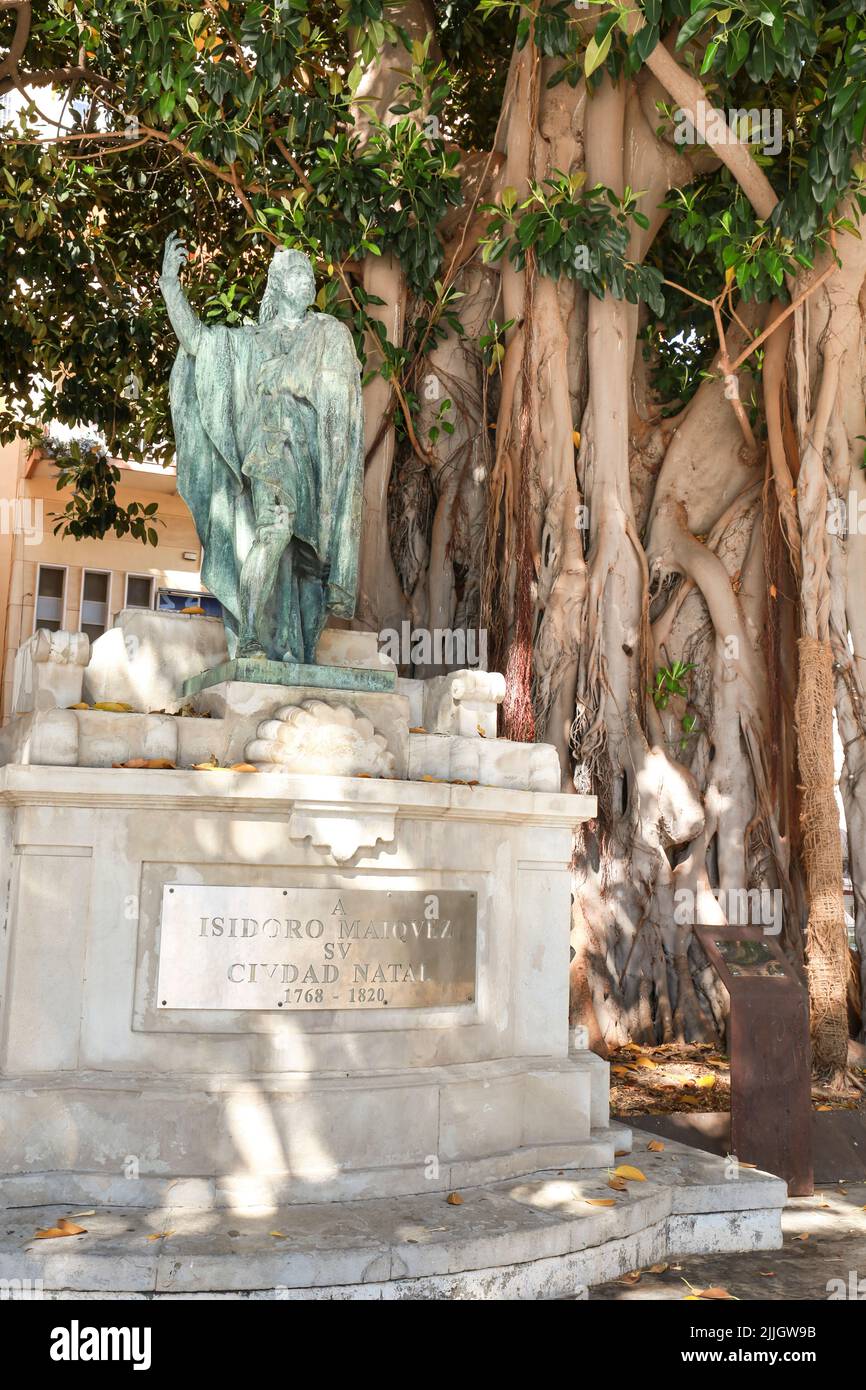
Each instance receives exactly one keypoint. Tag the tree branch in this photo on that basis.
(9, 65)
(690, 95)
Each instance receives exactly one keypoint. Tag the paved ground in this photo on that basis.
(834, 1220)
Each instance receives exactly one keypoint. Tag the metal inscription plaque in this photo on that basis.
(314, 948)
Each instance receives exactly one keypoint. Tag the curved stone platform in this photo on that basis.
(536, 1236)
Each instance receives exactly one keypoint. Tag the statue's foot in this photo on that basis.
(290, 656)
(252, 651)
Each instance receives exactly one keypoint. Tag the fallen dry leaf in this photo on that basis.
(161, 1235)
(419, 729)
(82, 704)
(658, 1269)
(618, 1184)
(625, 1170)
(480, 730)
(633, 1277)
(715, 1293)
(63, 1228)
(113, 707)
(278, 1235)
(454, 1199)
(767, 1273)
(645, 1062)
(620, 1071)
(147, 762)
(621, 1153)
(708, 1079)
(600, 1201)
(803, 1236)
(655, 1146)
(242, 767)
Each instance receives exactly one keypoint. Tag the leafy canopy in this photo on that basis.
(242, 126)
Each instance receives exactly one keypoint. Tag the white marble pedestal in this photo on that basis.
(105, 1096)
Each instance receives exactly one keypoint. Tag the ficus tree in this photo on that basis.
(604, 268)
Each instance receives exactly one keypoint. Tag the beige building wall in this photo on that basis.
(28, 496)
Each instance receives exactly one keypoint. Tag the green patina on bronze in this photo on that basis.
(269, 428)
(293, 673)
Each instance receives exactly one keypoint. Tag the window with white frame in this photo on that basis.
(185, 601)
(139, 591)
(50, 598)
(95, 599)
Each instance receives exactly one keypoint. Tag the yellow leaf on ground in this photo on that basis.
(242, 767)
(633, 1277)
(655, 1146)
(63, 1228)
(600, 1201)
(625, 1170)
(82, 704)
(419, 730)
(658, 1269)
(803, 1236)
(621, 1153)
(454, 1199)
(161, 1235)
(618, 1184)
(620, 1071)
(113, 707)
(645, 1062)
(707, 1080)
(278, 1235)
(715, 1293)
(481, 731)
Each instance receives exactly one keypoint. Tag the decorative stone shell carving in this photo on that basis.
(319, 737)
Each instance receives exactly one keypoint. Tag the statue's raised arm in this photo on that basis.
(183, 320)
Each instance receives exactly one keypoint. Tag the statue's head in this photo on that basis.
(290, 281)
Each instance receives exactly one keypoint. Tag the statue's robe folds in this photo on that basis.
(280, 408)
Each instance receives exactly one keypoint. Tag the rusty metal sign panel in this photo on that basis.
(768, 1035)
(313, 948)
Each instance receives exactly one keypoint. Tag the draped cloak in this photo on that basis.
(280, 408)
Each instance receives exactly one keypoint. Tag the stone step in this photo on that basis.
(534, 1236)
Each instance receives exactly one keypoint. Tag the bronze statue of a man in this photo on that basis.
(269, 428)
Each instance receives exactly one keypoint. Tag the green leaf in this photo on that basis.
(596, 53)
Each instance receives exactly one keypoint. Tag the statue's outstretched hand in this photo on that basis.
(174, 256)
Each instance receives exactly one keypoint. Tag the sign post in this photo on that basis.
(771, 1092)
